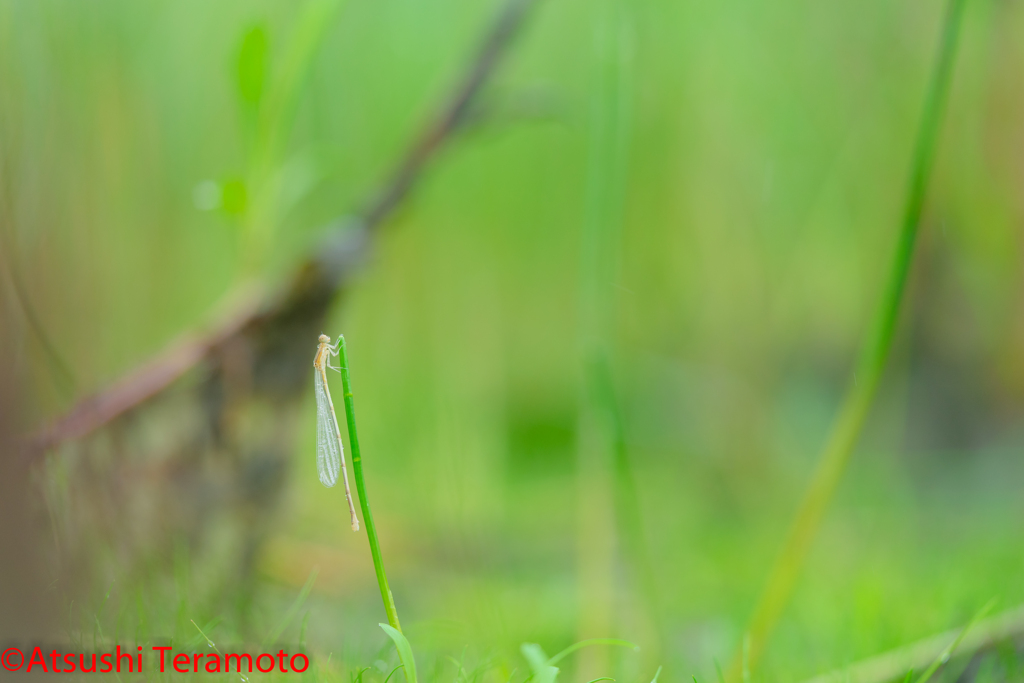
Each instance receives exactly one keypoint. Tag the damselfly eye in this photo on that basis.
(324, 339)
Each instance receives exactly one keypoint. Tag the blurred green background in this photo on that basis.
(767, 146)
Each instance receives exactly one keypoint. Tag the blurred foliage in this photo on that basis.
(769, 147)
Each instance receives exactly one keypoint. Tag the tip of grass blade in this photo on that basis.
(393, 672)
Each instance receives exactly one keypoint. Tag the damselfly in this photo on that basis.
(330, 454)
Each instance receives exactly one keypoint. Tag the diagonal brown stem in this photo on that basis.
(303, 300)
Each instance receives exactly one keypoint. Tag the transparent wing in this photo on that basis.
(328, 449)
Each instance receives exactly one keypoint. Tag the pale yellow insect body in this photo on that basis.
(330, 454)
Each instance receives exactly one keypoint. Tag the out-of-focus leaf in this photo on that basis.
(252, 63)
(543, 672)
(233, 197)
(296, 59)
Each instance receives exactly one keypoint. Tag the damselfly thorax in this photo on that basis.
(330, 453)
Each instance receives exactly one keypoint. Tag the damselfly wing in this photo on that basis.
(330, 454)
(328, 448)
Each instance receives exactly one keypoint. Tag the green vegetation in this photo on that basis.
(867, 374)
(599, 348)
(364, 505)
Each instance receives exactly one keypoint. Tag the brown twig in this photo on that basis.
(147, 380)
(454, 114)
(267, 322)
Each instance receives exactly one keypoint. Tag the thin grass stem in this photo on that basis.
(983, 633)
(605, 466)
(948, 652)
(364, 503)
(868, 372)
(393, 672)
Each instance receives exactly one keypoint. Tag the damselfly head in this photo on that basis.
(324, 339)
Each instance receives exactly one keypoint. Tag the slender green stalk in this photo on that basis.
(868, 373)
(364, 503)
(630, 522)
(610, 123)
(293, 610)
(604, 474)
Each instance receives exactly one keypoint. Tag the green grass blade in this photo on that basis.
(601, 423)
(195, 642)
(868, 371)
(393, 672)
(364, 502)
(251, 71)
(945, 654)
(404, 652)
(300, 599)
